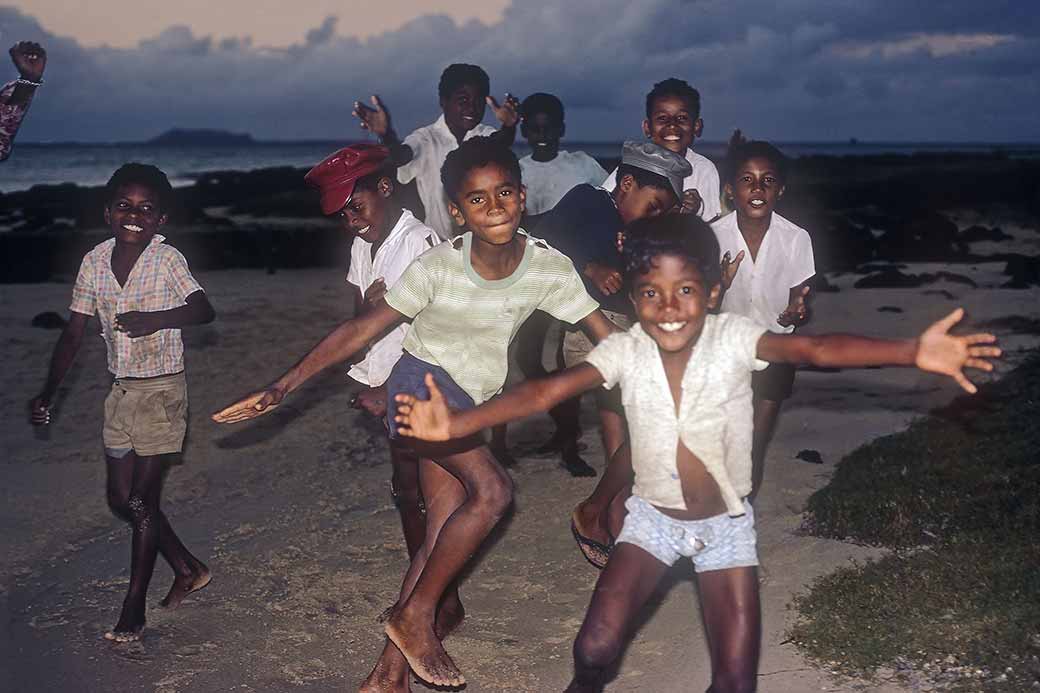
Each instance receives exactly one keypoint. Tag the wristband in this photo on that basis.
(28, 82)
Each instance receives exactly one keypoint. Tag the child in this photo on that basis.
(463, 90)
(357, 188)
(143, 294)
(548, 172)
(586, 226)
(684, 375)
(465, 300)
(771, 285)
(15, 97)
(673, 120)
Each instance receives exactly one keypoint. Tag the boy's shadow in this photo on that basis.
(265, 428)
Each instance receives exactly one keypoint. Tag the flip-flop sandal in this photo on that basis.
(594, 552)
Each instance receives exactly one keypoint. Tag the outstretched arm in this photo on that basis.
(376, 119)
(935, 351)
(432, 419)
(337, 346)
(508, 115)
(61, 360)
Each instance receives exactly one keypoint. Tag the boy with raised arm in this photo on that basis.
(685, 375)
(465, 300)
(464, 91)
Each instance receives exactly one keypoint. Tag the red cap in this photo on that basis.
(336, 175)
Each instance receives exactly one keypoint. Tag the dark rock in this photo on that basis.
(1024, 272)
(951, 277)
(819, 284)
(939, 292)
(890, 309)
(877, 267)
(810, 456)
(889, 279)
(974, 234)
(49, 321)
(928, 236)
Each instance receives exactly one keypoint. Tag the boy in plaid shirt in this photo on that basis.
(143, 293)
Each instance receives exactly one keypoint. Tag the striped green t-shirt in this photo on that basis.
(464, 323)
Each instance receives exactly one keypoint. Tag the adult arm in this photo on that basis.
(339, 345)
(61, 360)
(934, 351)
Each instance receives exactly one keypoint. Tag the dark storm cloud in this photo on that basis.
(798, 69)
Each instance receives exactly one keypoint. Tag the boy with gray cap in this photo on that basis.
(588, 226)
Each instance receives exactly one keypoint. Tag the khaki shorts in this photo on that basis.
(148, 416)
(576, 346)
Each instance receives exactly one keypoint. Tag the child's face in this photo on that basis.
(671, 125)
(635, 201)
(490, 203)
(463, 108)
(755, 188)
(542, 132)
(671, 302)
(134, 215)
(365, 214)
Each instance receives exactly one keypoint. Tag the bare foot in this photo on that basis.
(381, 680)
(183, 585)
(450, 615)
(590, 524)
(424, 652)
(129, 628)
(578, 687)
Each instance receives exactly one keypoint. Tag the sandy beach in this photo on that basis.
(294, 517)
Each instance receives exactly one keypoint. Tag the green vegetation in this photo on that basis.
(957, 496)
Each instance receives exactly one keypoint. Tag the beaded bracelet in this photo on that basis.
(29, 82)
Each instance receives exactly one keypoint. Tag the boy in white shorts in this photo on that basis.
(684, 377)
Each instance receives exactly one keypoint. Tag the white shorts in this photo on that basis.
(714, 543)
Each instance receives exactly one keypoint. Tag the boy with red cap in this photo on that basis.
(357, 185)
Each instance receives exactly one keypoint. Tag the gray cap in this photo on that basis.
(656, 159)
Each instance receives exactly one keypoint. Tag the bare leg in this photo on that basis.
(443, 495)
(766, 411)
(732, 618)
(134, 488)
(622, 590)
(411, 627)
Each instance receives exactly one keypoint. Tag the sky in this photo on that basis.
(785, 70)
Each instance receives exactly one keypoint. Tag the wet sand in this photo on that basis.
(293, 513)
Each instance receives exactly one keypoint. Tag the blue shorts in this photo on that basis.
(714, 543)
(408, 377)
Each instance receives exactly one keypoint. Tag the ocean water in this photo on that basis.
(91, 164)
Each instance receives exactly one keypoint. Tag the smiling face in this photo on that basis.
(671, 302)
(671, 124)
(365, 214)
(134, 214)
(755, 188)
(490, 203)
(463, 109)
(543, 132)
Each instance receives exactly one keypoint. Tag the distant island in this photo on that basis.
(180, 137)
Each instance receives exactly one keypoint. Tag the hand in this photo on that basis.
(372, 400)
(375, 292)
(606, 279)
(375, 118)
(138, 323)
(508, 113)
(729, 269)
(426, 420)
(796, 311)
(250, 406)
(691, 202)
(40, 411)
(30, 59)
(941, 352)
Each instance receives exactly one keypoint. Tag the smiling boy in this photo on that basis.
(464, 92)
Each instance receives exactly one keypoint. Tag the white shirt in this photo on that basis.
(409, 239)
(761, 289)
(704, 179)
(430, 145)
(548, 181)
(715, 412)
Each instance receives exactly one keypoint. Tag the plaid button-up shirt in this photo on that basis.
(159, 280)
